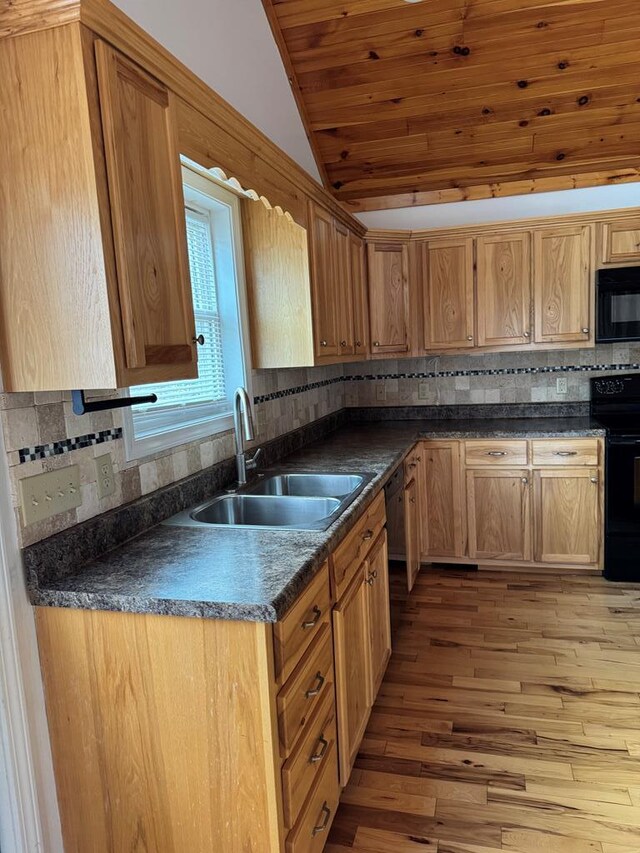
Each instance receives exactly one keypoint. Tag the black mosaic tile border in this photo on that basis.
(56, 448)
(498, 371)
(298, 389)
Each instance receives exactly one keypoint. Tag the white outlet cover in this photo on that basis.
(381, 393)
(105, 477)
(423, 391)
(562, 386)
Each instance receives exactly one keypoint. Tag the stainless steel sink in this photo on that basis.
(279, 501)
(309, 485)
(243, 510)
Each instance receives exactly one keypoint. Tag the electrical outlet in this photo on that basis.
(106, 480)
(381, 393)
(423, 391)
(49, 494)
(561, 385)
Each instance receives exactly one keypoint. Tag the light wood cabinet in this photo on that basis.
(568, 515)
(499, 514)
(411, 531)
(379, 613)
(360, 294)
(323, 283)
(388, 275)
(504, 289)
(563, 285)
(448, 294)
(343, 291)
(97, 295)
(442, 507)
(620, 241)
(352, 644)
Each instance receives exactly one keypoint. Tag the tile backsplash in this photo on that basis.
(41, 432)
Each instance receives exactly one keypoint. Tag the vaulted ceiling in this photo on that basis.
(428, 101)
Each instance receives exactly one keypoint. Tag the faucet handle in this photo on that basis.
(252, 463)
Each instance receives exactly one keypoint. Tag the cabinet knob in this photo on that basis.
(525, 481)
(376, 343)
(323, 343)
(343, 343)
(594, 480)
(358, 343)
(527, 334)
(198, 340)
(586, 331)
(469, 337)
(369, 580)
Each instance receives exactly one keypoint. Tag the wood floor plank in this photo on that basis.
(508, 720)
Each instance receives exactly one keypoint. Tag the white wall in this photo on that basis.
(229, 45)
(498, 209)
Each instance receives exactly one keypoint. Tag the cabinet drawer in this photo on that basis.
(308, 759)
(569, 451)
(292, 635)
(496, 453)
(310, 681)
(350, 553)
(310, 832)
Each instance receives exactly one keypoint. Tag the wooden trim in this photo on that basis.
(623, 175)
(27, 16)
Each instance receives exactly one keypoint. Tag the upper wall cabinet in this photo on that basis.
(95, 289)
(504, 289)
(563, 285)
(620, 241)
(448, 293)
(306, 289)
(389, 297)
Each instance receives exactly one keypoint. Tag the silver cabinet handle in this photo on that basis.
(595, 480)
(527, 334)
(469, 337)
(496, 452)
(313, 691)
(525, 481)
(368, 534)
(323, 343)
(565, 453)
(326, 811)
(369, 580)
(317, 613)
(376, 343)
(318, 756)
(586, 331)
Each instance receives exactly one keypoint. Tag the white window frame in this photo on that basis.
(169, 428)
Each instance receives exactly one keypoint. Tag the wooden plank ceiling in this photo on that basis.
(445, 99)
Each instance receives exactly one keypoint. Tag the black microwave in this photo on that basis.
(618, 305)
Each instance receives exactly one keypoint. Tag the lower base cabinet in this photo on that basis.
(533, 502)
(378, 612)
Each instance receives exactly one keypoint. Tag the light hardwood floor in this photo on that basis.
(509, 719)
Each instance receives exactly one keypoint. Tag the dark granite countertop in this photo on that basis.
(256, 574)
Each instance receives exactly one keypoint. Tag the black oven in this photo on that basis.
(618, 305)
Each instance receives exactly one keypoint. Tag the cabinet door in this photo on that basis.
(441, 501)
(360, 297)
(377, 580)
(448, 294)
(343, 291)
(563, 285)
(323, 266)
(621, 241)
(568, 516)
(388, 270)
(499, 514)
(352, 649)
(504, 289)
(411, 532)
(147, 211)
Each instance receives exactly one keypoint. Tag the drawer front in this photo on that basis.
(310, 681)
(310, 832)
(293, 635)
(507, 453)
(306, 762)
(567, 451)
(350, 553)
(411, 463)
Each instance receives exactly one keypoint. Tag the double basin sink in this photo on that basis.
(290, 501)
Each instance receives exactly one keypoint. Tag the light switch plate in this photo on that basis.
(381, 393)
(105, 478)
(423, 391)
(50, 493)
(561, 385)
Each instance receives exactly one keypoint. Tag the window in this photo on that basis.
(196, 408)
